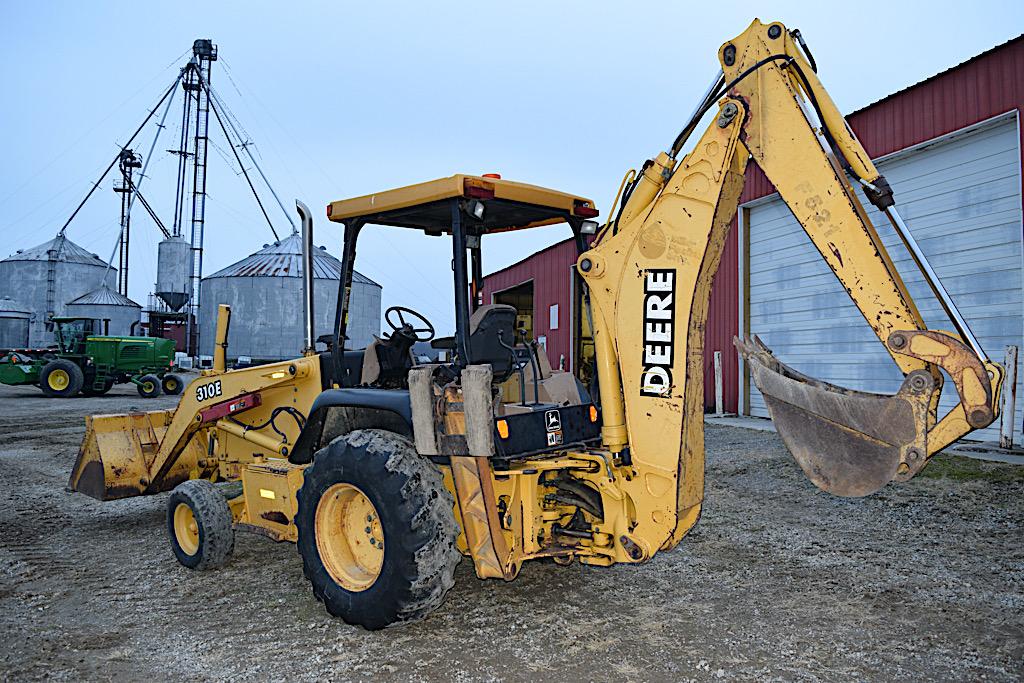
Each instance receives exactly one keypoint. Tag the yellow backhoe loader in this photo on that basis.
(386, 472)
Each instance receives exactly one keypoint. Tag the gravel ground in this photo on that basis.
(777, 581)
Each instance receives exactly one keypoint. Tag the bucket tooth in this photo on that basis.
(848, 443)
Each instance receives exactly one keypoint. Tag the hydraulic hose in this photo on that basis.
(803, 46)
(711, 98)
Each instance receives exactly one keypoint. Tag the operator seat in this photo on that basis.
(485, 343)
(489, 326)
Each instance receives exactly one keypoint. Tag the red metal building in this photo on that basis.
(986, 86)
(548, 274)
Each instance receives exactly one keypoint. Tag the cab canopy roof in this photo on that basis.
(426, 206)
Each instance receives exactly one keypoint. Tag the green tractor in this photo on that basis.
(84, 361)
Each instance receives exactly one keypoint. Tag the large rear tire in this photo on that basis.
(199, 524)
(376, 530)
(61, 378)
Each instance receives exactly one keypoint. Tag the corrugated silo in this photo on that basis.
(14, 322)
(264, 291)
(104, 303)
(173, 269)
(47, 276)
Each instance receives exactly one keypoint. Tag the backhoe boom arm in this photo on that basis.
(649, 277)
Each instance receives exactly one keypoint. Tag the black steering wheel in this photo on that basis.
(420, 334)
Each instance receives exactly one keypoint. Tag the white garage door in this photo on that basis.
(961, 198)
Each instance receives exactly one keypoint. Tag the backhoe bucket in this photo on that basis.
(849, 443)
(117, 453)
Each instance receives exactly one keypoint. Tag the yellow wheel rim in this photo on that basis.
(186, 529)
(59, 379)
(147, 387)
(171, 384)
(349, 537)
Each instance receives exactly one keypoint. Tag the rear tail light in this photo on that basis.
(477, 189)
(583, 209)
(330, 210)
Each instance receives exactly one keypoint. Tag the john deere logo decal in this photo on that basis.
(553, 423)
(659, 335)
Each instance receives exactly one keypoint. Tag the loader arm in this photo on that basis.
(649, 278)
(222, 411)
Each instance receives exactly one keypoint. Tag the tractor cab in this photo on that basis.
(72, 332)
(466, 209)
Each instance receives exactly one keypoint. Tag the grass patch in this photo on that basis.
(959, 468)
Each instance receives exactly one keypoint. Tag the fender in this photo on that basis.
(392, 401)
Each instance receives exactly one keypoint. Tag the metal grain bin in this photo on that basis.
(106, 304)
(47, 276)
(173, 269)
(264, 291)
(14, 323)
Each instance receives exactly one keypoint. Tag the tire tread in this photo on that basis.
(419, 497)
(216, 530)
(75, 375)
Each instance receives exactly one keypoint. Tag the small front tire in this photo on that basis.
(172, 385)
(149, 386)
(199, 524)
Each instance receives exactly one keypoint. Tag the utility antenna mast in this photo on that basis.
(196, 113)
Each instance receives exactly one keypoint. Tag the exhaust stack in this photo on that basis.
(307, 277)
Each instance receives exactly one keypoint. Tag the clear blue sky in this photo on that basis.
(343, 99)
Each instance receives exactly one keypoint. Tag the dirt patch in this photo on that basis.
(777, 581)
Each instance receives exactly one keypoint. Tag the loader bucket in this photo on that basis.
(118, 451)
(849, 443)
